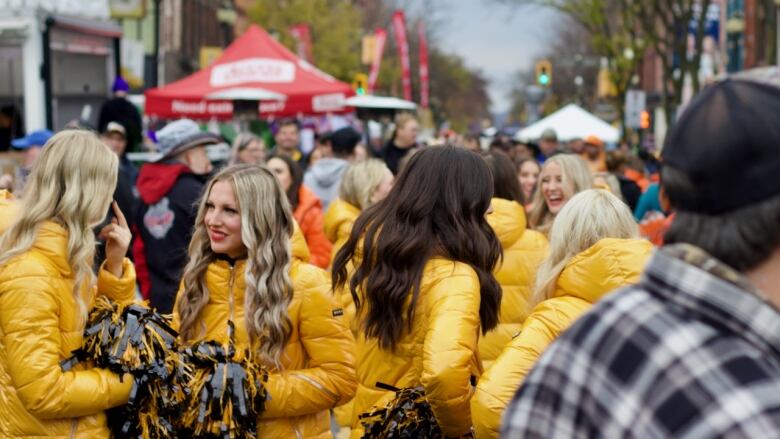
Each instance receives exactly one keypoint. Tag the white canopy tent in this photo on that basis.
(380, 102)
(571, 122)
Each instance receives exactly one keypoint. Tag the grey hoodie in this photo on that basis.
(324, 179)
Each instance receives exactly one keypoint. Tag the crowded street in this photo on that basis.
(389, 219)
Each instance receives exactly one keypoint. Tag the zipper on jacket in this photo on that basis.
(316, 384)
(294, 426)
(230, 291)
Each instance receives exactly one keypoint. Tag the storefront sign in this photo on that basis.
(252, 70)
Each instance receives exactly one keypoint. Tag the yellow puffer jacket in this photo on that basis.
(319, 359)
(523, 253)
(440, 353)
(338, 223)
(8, 208)
(300, 250)
(38, 329)
(606, 266)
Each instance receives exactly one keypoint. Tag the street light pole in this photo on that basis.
(156, 53)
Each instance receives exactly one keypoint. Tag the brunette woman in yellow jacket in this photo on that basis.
(524, 250)
(594, 250)
(424, 285)
(47, 286)
(241, 269)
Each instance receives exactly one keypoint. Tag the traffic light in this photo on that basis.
(360, 83)
(543, 72)
(644, 119)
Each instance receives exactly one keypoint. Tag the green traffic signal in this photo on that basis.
(360, 91)
(543, 78)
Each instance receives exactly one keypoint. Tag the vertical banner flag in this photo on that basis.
(424, 90)
(380, 36)
(399, 29)
(302, 35)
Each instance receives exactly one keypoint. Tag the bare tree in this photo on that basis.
(622, 30)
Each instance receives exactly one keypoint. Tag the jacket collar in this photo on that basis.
(52, 242)
(507, 220)
(689, 278)
(604, 267)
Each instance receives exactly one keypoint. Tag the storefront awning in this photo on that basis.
(90, 27)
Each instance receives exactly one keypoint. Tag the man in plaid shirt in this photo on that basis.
(693, 350)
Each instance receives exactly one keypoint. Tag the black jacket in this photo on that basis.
(166, 216)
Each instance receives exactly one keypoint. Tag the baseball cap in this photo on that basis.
(727, 142)
(116, 127)
(344, 140)
(35, 138)
(549, 134)
(181, 135)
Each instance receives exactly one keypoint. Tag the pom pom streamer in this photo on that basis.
(408, 415)
(131, 339)
(227, 392)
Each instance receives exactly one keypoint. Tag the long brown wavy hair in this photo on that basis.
(436, 209)
(266, 229)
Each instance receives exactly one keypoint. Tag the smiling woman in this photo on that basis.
(223, 221)
(241, 270)
(562, 177)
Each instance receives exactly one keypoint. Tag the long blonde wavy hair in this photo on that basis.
(360, 180)
(71, 184)
(266, 229)
(588, 217)
(576, 178)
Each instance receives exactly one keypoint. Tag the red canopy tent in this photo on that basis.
(255, 67)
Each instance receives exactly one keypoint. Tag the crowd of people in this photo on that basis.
(517, 282)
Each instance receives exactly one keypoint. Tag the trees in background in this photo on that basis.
(458, 93)
(623, 30)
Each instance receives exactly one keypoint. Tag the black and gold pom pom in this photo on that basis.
(135, 340)
(227, 392)
(408, 415)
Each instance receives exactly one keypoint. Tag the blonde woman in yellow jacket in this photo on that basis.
(363, 184)
(241, 269)
(524, 250)
(47, 286)
(424, 285)
(594, 250)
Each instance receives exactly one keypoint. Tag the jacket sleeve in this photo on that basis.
(329, 379)
(318, 243)
(448, 351)
(29, 317)
(117, 289)
(499, 384)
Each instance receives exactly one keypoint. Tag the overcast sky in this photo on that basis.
(495, 38)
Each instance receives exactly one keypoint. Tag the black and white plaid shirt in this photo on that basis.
(692, 351)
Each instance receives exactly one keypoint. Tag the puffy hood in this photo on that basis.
(339, 219)
(156, 179)
(507, 220)
(327, 172)
(604, 267)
